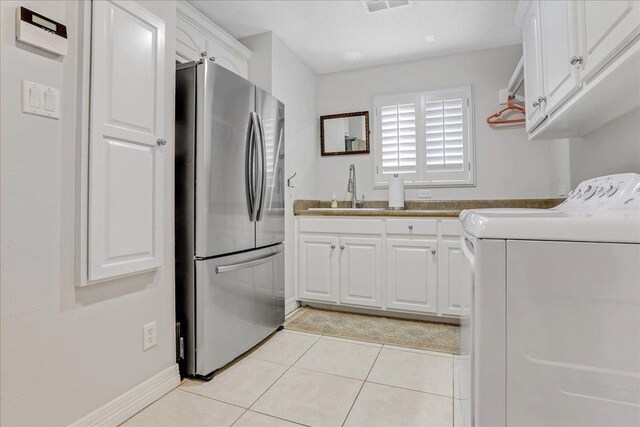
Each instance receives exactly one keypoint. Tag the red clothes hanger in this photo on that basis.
(496, 120)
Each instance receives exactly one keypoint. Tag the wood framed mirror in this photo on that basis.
(344, 134)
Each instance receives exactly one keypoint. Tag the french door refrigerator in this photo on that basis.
(229, 216)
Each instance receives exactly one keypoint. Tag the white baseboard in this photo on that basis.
(290, 305)
(133, 401)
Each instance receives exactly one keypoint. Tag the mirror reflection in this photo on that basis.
(342, 134)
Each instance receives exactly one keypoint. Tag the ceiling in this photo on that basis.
(325, 33)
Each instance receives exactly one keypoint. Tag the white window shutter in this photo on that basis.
(427, 137)
(447, 136)
(397, 135)
(125, 231)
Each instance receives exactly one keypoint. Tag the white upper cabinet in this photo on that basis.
(581, 64)
(126, 141)
(607, 26)
(559, 66)
(533, 83)
(197, 36)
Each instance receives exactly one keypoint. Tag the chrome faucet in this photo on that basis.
(351, 188)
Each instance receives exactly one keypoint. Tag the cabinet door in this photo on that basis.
(557, 30)
(454, 285)
(318, 268)
(125, 158)
(191, 44)
(361, 271)
(412, 279)
(533, 83)
(197, 36)
(227, 59)
(606, 27)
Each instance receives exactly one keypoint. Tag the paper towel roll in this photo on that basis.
(396, 192)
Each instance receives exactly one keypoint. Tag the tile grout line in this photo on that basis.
(232, 424)
(268, 388)
(278, 418)
(240, 407)
(419, 351)
(213, 398)
(410, 389)
(277, 379)
(361, 387)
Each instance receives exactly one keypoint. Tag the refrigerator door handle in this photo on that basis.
(250, 167)
(263, 169)
(251, 263)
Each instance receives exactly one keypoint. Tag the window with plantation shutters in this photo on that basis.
(426, 137)
(398, 137)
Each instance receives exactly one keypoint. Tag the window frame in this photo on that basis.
(421, 179)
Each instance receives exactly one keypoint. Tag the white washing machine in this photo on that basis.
(556, 311)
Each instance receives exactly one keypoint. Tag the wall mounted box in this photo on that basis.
(39, 31)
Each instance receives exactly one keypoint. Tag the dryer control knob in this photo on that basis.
(589, 192)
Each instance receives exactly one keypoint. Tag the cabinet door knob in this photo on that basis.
(341, 246)
(433, 251)
(535, 104)
(575, 60)
(161, 141)
(411, 227)
(333, 246)
(542, 99)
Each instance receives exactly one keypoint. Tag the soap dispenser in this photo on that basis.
(334, 202)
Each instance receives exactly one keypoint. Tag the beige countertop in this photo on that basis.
(416, 208)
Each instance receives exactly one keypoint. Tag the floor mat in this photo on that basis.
(384, 330)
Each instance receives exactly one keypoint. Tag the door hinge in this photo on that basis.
(179, 343)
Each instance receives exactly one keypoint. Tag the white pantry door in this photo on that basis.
(125, 145)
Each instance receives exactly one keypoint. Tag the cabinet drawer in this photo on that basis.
(412, 226)
(450, 227)
(341, 225)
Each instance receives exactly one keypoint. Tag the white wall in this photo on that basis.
(613, 148)
(507, 165)
(67, 351)
(260, 62)
(290, 80)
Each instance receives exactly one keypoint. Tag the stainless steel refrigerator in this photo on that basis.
(229, 216)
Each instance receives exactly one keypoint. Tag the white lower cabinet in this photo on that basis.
(318, 268)
(393, 264)
(412, 277)
(454, 286)
(361, 271)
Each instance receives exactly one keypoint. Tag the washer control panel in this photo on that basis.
(605, 193)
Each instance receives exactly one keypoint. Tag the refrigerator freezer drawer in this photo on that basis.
(240, 302)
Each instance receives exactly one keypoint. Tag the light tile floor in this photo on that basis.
(296, 378)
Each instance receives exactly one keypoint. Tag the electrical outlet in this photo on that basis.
(424, 194)
(562, 191)
(149, 337)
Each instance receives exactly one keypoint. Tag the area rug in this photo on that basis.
(383, 330)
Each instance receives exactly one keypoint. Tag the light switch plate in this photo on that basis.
(34, 96)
